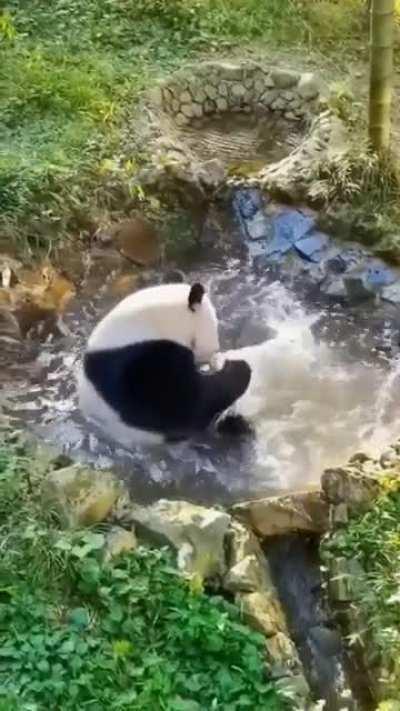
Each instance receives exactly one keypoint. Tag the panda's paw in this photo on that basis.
(217, 361)
(232, 424)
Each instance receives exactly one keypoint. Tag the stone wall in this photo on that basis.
(187, 99)
(213, 88)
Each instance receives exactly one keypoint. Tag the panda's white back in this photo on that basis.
(159, 312)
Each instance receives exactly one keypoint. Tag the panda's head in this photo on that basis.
(204, 341)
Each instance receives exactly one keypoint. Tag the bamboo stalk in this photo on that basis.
(381, 73)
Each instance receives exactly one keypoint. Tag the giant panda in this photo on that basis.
(140, 380)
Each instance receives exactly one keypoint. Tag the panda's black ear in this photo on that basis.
(196, 294)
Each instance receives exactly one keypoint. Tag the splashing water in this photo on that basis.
(309, 409)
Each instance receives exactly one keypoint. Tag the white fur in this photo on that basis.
(101, 414)
(158, 312)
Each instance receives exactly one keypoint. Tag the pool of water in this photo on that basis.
(244, 141)
(323, 386)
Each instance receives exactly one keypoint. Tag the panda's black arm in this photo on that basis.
(220, 390)
(153, 385)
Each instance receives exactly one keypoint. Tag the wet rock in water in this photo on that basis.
(336, 264)
(343, 577)
(292, 226)
(259, 226)
(296, 689)
(250, 578)
(80, 495)
(137, 240)
(357, 489)
(241, 542)
(334, 288)
(248, 205)
(392, 293)
(197, 533)
(211, 174)
(38, 300)
(389, 458)
(245, 576)
(339, 515)
(282, 651)
(367, 280)
(290, 229)
(248, 568)
(119, 540)
(279, 515)
(35, 321)
(357, 287)
(264, 613)
(125, 284)
(9, 326)
(313, 246)
(379, 275)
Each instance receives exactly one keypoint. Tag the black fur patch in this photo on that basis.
(195, 295)
(234, 426)
(155, 386)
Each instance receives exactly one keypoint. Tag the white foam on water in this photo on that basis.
(311, 410)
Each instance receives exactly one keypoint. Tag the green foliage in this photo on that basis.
(360, 191)
(374, 541)
(78, 633)
(331, 22)
(72, 72)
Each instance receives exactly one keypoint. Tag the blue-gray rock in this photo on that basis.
(353, 257)
(336, 264)
(392, 293)
(334, 287)
(259, 226)
(261, 248)
(357, 287)
(277, 246)
(247, 202)
(289, 227)
(313, 246)
(368, 279)
(378, 275)
(292, 225)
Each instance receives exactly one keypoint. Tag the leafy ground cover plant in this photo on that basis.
(79, 633)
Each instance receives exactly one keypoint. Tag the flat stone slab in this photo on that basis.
(281, 515)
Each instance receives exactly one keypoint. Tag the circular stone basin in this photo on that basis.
(263, 124)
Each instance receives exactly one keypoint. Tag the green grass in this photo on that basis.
(76, 633)
(71, 74)
(374, 541)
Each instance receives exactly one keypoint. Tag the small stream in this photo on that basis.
(295, 566)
